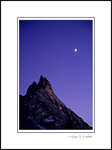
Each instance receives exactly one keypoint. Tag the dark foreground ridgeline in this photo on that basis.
(41, 109)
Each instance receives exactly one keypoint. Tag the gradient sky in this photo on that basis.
(46, 47)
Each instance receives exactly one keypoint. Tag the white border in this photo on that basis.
(10, 10)
(93, 43)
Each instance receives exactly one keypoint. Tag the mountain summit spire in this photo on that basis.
(44, 83)
(40, 108)
(43, 80)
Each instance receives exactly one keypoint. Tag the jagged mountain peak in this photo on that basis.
(42, 79)
(42, 84)
(31, 88)
(40, 108)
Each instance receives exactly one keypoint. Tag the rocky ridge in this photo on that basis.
(41, 109)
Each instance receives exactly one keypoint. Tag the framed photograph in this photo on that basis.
(56, 74)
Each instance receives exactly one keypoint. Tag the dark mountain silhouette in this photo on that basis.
(40, 108)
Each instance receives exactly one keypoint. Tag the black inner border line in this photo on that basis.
(18, 78)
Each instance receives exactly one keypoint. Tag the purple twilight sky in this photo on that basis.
(46, 47)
